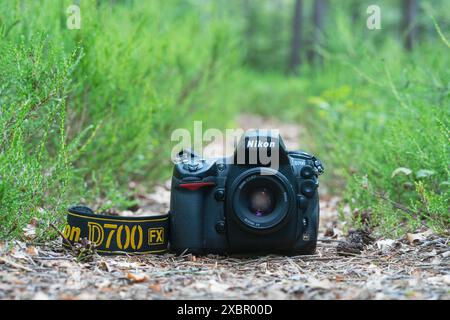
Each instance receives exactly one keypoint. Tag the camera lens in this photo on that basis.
(261, 201)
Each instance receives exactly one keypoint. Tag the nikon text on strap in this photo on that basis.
(116, 234)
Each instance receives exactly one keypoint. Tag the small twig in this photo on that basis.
(431, 242)
(51, 258)
(169, 272)
(184, 253)
(330, 240)
(62, 235)
(14, 264)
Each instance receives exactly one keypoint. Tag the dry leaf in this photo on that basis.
(337, 233)
(155, 287)
(329, 232)
(126, 213)
(32, 251)
(126, 265)
(34, 221)
(218, 287)
(415, 238)
(29, 232)
(103, 265)
(137, 277)
(339, 278)
(385, 245)
(212, 286)
(319, 284)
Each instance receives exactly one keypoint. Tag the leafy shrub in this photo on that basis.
(83, 112)
(35, 159)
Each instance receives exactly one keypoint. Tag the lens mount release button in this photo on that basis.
(219, 195)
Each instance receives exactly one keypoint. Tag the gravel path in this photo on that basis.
(414, 267)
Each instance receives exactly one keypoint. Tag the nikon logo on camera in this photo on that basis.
(260, 144)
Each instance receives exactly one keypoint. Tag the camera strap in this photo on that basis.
(116, 234)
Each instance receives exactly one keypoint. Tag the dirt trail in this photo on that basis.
(414, 267)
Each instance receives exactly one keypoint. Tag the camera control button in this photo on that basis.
(308, 187)
(220, 226)
(302, 201)
(219, 195)
(307, 172)
(305, 222)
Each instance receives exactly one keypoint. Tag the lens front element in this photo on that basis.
(261, 201)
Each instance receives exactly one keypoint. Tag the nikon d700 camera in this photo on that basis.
(263, 199)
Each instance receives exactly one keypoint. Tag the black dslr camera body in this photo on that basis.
(263, 199)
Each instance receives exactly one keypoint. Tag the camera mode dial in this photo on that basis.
(192, 165)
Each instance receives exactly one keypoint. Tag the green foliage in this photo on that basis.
(83, 112)
(393, 116)
(35, 159)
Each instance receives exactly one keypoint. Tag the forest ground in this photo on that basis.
(415, 266)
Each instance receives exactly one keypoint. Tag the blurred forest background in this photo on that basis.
(84, 112)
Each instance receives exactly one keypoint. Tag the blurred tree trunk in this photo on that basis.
(356, 11)
(409, 29)
(279, 60)
(296, 44)
(277, 20)
(250, 29)
(318, 22)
